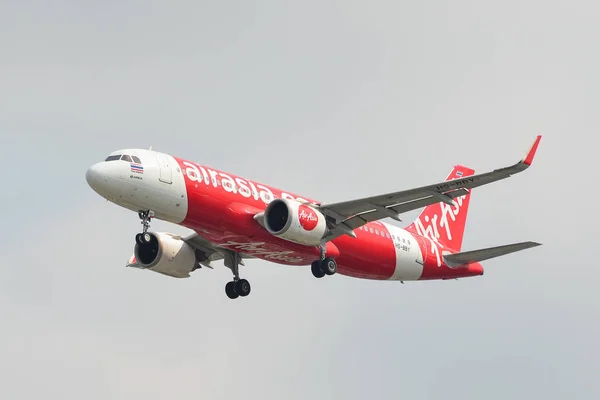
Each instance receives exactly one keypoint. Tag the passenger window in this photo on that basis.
(113, 158)
(137, 160)
(126, 158)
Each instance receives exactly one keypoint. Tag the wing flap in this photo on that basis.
(487, 253)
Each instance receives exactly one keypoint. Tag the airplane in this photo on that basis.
(234, 219)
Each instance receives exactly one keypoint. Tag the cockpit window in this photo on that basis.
(124, 157)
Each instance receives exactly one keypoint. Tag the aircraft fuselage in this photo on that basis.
(221, 207)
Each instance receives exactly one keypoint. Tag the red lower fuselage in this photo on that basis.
(221, 208)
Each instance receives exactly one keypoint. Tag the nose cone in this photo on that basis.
(93, 176)
(105, 179)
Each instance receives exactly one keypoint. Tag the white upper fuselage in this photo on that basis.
(153, 183)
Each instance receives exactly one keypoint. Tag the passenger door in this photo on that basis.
(166, 174)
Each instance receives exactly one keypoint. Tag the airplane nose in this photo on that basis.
(106, 179)
(93, 176)
(99, 177)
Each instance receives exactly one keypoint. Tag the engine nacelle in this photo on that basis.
(294, 221)
(166, 254)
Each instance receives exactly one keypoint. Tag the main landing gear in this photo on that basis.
(324, 265)
(146, 217)
(237, 287)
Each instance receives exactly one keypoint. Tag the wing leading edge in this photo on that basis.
(344, 217)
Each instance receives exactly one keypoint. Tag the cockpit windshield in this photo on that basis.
(124, 157)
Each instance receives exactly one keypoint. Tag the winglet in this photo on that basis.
(529, 157)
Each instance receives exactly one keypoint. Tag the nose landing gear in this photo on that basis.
(146, 216)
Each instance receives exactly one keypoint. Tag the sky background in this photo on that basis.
(329, 99)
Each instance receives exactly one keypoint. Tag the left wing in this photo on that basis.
(210, 251)
(346, 216)
(205, 251)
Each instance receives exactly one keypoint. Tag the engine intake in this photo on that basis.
(166, 254)
(295, 222)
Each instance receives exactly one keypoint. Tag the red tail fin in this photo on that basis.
(442, 222)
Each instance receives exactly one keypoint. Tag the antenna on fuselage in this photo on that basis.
(150, 148)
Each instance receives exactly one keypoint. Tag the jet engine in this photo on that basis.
(164, 253)
(295, 221)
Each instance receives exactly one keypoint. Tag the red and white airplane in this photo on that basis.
(236, 218)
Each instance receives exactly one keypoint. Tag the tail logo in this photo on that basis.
(440, 222)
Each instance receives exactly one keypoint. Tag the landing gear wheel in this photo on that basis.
(316, 270)
(329, 266)
(242, 287)
(237, 287)
(143, 238)
(230, 290)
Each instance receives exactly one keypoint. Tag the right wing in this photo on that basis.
(346, 216)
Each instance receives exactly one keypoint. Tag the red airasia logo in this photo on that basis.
(308, 217)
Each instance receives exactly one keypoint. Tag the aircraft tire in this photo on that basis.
(316, 270)
(146, 237)
(329, 266)
(230, 290)
(242, 287)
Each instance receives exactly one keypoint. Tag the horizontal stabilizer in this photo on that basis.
(467, 257)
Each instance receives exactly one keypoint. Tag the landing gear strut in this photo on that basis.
(146, 216)
(324, 265)
(237, 287)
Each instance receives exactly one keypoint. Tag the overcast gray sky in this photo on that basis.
(330, 99)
